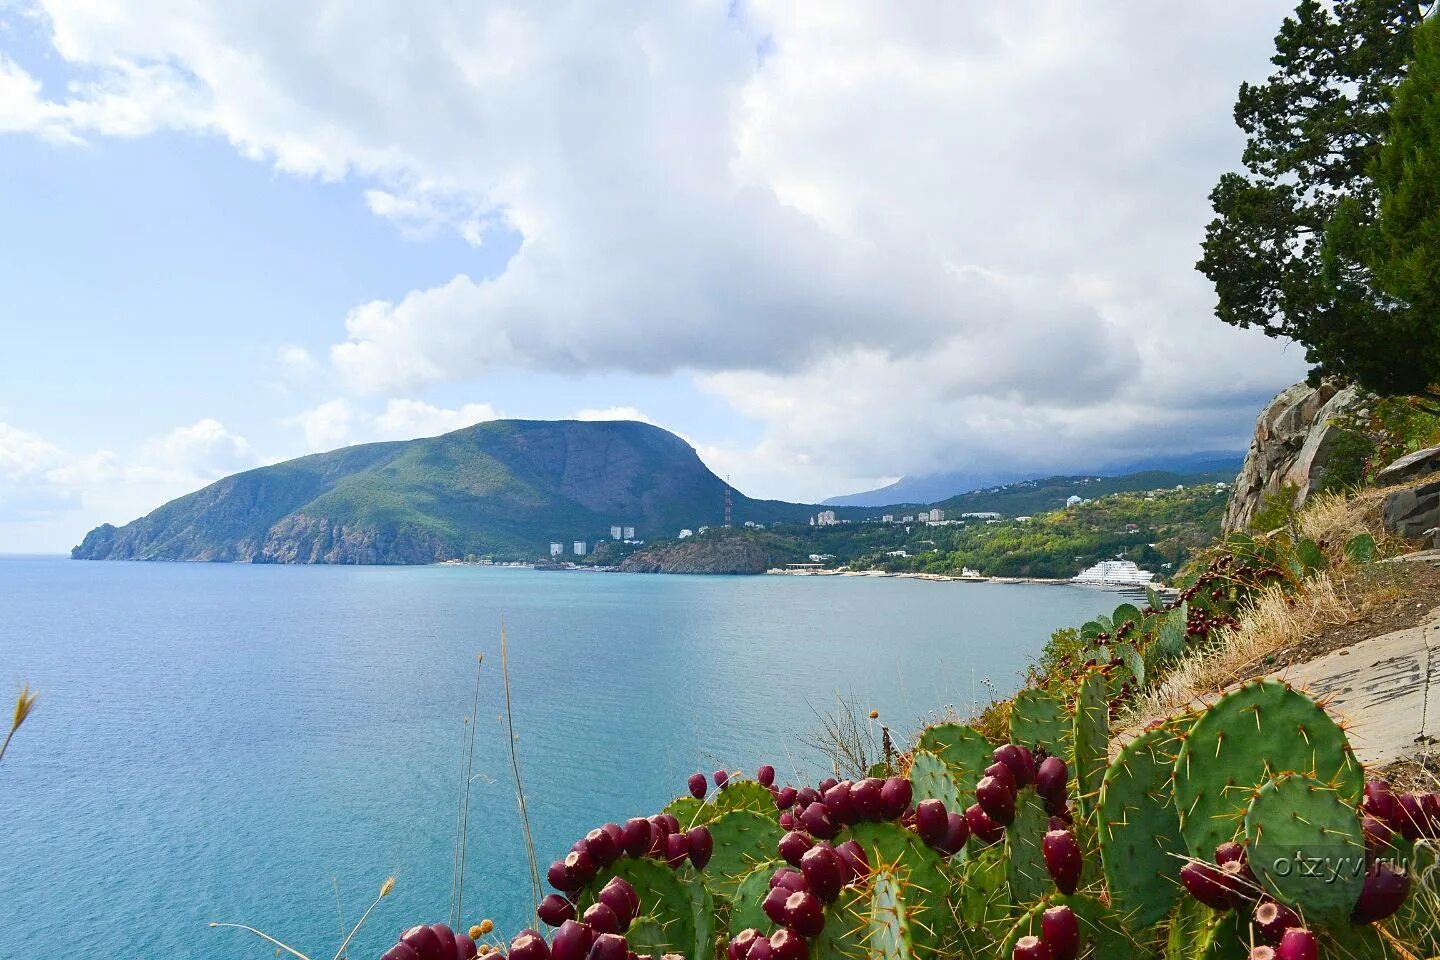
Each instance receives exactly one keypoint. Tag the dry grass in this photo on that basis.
(1273, 621)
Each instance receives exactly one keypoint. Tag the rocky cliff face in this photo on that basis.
(1294, 439)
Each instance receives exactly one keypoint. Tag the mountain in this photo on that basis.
(932, 488)
(506, 488)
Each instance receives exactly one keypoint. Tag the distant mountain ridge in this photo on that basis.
(933, 488)
(504, 487)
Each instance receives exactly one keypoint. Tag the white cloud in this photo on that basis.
(613, 413)
(406, 419)
(900, 237)
(295, 362)
(325, 426)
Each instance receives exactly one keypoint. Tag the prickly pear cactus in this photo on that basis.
(1139, 828)
(1039, 718)
(917, 886)
(1024, 850)
(674, 904)
(736, 795)
(742, 839)
(1261, 729)
(1100, 928)
(689, 811)
(1204, 934)
(964, 749)
(983, 889)
(1306, 846)
(1091, 740)
(745, 910)
(931, 778)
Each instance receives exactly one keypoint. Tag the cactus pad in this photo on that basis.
(742, 838)
(1039, 718)
(1259, 730)
(916, 880)
(1024, 850)
(1306, 846)
(933, 779)
(1091, 742)
(983, 891)
(678, 910)
(1139, 829)
(964, 749)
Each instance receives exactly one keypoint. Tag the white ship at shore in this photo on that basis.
(1114, 573)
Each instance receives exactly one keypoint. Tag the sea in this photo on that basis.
(265, 745)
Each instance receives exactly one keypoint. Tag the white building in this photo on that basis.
(888, 518)
(556, 549)
(629, 533)
(936, 515)
(617, 533)
(909, 519)
(896, 553)
(1073, 500)
(825, 518)
(687, 532)
(579, 547)
(982, 515)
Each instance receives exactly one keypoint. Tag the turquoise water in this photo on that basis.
(218, 742)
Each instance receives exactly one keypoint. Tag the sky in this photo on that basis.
(829, 243)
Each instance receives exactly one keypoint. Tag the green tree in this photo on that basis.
(1313, 131)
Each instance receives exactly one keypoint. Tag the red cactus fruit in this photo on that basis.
(698, 785)
(600, 918)
(1211, 885)
(931, 821)
(1378, 833)
(1262, 952)
(677, 848)
(1380, 801)
(740, 944)
(580, 865)
(555, 910)
(1430, 807)
(997, 800)
(601, 847)
(1051, 778)
(620, 897)
(787, 820)
(1031, 948)
(529, 945)
(672, 825)
(865, 799)
(857, 864)
(824, 871)
(774, 904)
(894, 797)
(827, 783)
(786, 944)
(1410, 816)
(1385, 889)
(1020, 761)
(837, 799)
(572, 941)
(760, 950)
(446, 936)
(785, 798)
(608, 946)
(1297, 944)
(465, 948)
(957, 831)
(1272, 919)
(561, 878)
(1060, 930)
(701, 846)
(982, 828)
(766, 775)
(722, 777)
(423, 941)
(635, 836)
(793, 845)
(789, 878)
(817, 821)
(1002, 773)
(401, 951)
(807, 795)
(1063, 860)
(1229, 852)
(804, 912)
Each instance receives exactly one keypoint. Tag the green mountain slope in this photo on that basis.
(505, 488)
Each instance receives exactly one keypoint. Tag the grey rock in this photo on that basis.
(1413, 513)
(1412, 466)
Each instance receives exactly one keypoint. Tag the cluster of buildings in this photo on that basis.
(580, 548)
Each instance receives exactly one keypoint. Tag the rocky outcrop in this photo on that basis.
(1410, 467)
(701, 555)
(1414, 513)
(1294, 440)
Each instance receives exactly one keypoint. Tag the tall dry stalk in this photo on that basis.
(385, 889)
(24, 703)
(515, 771)
(844, 738)
(462, 841)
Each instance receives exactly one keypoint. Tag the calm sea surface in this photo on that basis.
(218, 742)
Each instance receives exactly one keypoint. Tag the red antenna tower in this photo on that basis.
(727, 501)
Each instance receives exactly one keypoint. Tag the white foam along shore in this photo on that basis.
(947, 578)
